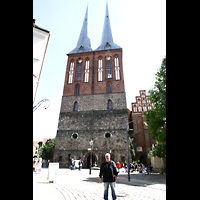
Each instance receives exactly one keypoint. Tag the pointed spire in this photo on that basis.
(107, 39)
(83, 44)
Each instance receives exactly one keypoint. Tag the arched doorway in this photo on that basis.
(142, 159)
(93, 160)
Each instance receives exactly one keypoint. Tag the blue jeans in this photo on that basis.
(106, 186)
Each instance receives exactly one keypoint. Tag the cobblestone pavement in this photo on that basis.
(72, 185)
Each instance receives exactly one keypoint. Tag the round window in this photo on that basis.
(107, 135)
(74, 135)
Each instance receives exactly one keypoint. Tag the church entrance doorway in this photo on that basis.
(93, 160)
(142, 159)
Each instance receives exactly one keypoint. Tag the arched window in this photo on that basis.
(108, 67)
(79, 70)
(117, 76)
(108, 87)
(86, 71)
(71, 71)
(77, 89)
(76, 106)
(134, 108)
(100, 69)
(149, 106)
(109, 104)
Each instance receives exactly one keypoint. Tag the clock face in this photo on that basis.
(80, 61)
(108, 58)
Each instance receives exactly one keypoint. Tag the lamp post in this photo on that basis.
(91, 143)
(127, 137)
(38, 104)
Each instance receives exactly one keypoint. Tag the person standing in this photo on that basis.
(118, 165)
(80, 163)
(72, 164)
(109, 171)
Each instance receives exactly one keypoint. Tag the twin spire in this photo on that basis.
(84, 45)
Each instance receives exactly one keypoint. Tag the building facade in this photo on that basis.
(93, 104)
(40, 42)
(141, 139)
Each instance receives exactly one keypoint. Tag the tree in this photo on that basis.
(156, 118)
(46, 149)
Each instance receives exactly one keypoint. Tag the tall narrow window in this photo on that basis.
(86, 71)
(144, 107)
(100, 70)
(108, 67)
(109, 104)
(134, 108)
(149, 106)
(76, 106)
(79, 70)
(117, 76)
(108, 87)
(77, 90)
(71, 71)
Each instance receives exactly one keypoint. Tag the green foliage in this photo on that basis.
(46, 149)
(156, 118)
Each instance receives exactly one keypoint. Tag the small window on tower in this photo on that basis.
(108, 87)
(76, 106)
(109, 104)
(77, 90)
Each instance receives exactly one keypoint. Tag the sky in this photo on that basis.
(138, 26)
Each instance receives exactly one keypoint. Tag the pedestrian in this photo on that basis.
(148, 170)
(109, 171)
(118, 165)
(125, 165)
(80, 164)
(72, 164)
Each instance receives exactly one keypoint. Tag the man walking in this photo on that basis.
(109, 171)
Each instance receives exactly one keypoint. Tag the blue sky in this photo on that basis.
(139, 27)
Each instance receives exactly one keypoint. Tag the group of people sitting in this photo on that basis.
(134, 167)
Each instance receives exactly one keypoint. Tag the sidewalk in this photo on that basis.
(72, 185)
(44, 190)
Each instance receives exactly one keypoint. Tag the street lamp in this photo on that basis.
(38, 104)
(127, 137)
(91, 143)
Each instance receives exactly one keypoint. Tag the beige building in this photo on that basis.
(37, 145)
(40, 42)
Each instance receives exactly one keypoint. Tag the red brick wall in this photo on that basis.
(94, 86)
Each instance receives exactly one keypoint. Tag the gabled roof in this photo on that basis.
(107, 39)
(36, 26)
(83, 44)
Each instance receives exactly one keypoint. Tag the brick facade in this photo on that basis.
(92, 120)
(142, 141)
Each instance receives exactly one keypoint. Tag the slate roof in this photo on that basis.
(83, 44)
(107, 39)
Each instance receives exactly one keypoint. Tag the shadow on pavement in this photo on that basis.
(142, 180)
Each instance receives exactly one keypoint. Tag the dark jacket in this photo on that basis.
(108, 170)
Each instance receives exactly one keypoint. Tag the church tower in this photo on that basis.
(93, 103)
